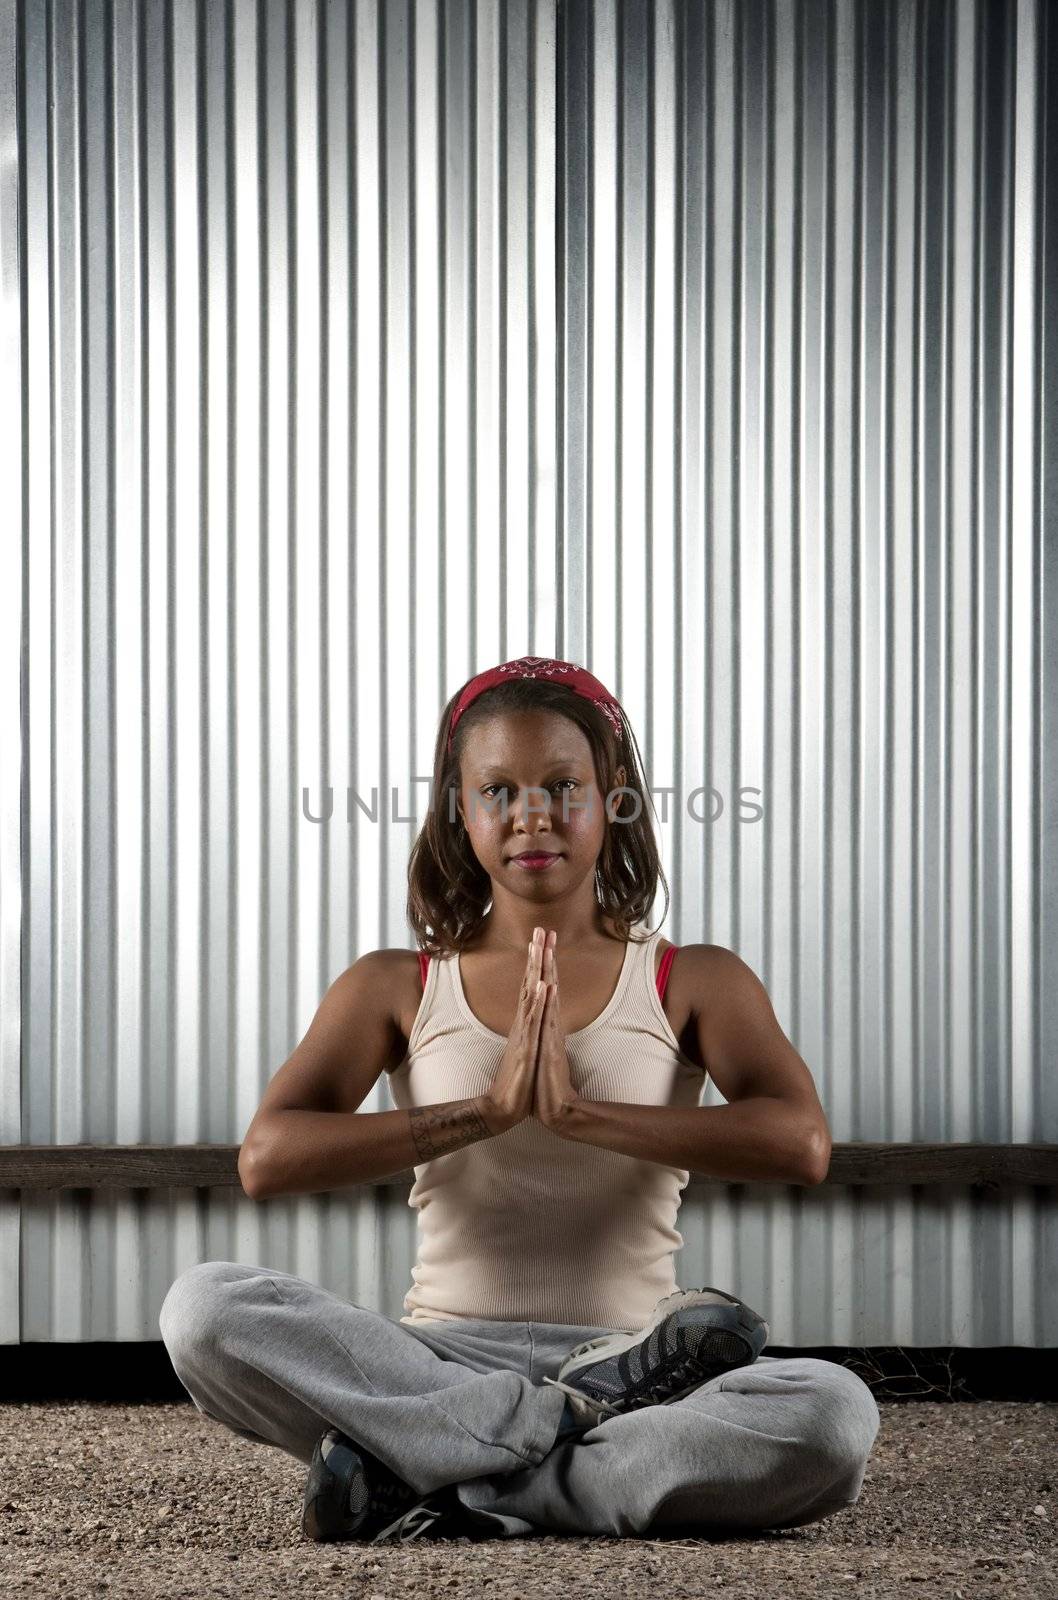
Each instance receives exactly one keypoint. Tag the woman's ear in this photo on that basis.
(611, 804)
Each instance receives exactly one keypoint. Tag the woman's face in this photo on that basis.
(528, 783)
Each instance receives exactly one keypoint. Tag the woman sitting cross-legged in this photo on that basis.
(546, 1055)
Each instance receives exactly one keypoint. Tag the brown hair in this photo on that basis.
(448, 888)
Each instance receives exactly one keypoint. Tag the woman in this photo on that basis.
(548, 1373)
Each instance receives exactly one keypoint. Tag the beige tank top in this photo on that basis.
(526, 1226)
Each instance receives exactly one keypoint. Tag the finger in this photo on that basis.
(530, 998)
(535, 973)
(532, 1021)
(529, 983)
(537, 1021)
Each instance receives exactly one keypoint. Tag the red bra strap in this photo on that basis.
(663, 971)
(424, 966)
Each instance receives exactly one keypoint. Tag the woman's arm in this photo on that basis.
(312, 1152)
(773, 1128)
(309, 1135)
(762, 1139)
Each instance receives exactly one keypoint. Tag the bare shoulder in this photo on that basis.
(710, 972)
(714, 994)
(740, 1038)
(385, 978)
(398, 971)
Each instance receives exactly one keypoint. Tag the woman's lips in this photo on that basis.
(535, 863)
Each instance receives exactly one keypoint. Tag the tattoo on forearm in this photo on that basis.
(438, 1129)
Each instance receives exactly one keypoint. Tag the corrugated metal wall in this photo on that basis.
(804, 303)
(354, 348)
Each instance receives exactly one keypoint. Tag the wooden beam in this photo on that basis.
(213, 1166)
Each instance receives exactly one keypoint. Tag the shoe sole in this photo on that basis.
(737, 1339)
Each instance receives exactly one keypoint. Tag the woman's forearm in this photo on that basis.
(309, 1152)
(761, 1138)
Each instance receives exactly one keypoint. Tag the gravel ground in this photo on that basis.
(150, 1500)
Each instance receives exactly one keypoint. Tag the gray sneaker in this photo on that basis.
(693, 1335)
(350, 1494)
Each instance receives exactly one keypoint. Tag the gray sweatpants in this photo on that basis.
(279, 1360)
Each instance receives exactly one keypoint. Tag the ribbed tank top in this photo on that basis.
(526, 1226)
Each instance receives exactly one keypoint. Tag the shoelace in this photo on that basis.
(408, 1526)
(688, 1367)
(578, 1394)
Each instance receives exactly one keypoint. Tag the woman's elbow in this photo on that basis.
(249, 1176)
(819, 1165)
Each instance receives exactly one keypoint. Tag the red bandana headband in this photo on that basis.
(567, 672)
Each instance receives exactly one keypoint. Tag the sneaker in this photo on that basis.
(693, 1335)
(350, 1494)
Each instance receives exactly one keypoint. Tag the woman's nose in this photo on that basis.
(528, 808)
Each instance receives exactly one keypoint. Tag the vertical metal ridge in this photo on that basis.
(768, 573)
(470, 330)
(232, 1109)
(16, 825)
(407, 744)
(388, 184)
(502, 489)
(829, 365)
(1046, 511)
(650, 221)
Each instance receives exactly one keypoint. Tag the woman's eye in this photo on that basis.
(558, 782)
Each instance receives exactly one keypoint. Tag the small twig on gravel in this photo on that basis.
(910, 1383)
